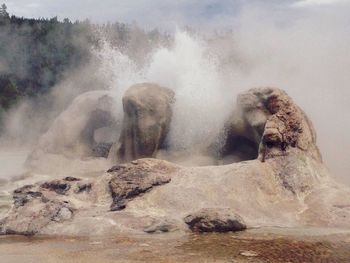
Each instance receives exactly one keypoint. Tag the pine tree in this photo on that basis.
(3, 11)
(9, 93)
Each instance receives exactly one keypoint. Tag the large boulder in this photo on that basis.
(215, 220)
(147, 117)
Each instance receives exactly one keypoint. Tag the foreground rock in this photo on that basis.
(147, 117)
(215, 220)
(287, 185)
(36, 206)
(40, 207)
(131, 180)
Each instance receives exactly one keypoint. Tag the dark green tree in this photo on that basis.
(9, 93)
(3, 11)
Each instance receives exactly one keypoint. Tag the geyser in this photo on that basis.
(206, 76)
(287, 186)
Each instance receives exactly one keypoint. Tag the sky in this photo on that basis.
(154, 13)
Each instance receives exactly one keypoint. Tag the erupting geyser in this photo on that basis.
(284, 182)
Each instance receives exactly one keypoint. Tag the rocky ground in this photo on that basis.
(153, 210)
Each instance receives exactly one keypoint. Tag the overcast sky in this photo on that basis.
(155, 13)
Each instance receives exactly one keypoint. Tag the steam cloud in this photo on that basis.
(302, 50)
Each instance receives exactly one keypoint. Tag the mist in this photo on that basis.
(303, 49)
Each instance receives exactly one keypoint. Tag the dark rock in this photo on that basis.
(72, 179)
(83, 188)
(23, 189)
(18, 233)
(117, 168)
(136, 178)
(215, 220)
(23, 195)
(57, 185)
(118, 204)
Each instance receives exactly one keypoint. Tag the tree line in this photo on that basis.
(35, 53)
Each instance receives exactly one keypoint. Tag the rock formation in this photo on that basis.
(74, 129)
(215, 220)
(131, 180)
(99, 119)
(44, 206)
(86, 128)
(147, 116)
(286, 185)
(266, 123)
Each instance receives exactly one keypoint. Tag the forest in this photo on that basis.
(36, 53)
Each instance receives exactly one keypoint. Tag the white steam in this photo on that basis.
(191, 70)
(305, 52)
(202, 101)
(302, 50)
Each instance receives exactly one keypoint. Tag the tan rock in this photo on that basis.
(267, 123)
(287, 186)
(147, 116)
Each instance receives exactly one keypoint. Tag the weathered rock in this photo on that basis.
(63, 214)
(83, 187)
(83, 203)
(71, 137)
(147, 117)
(32, 218)
(288, 186)
(267, 123)
(23, 195)
(71, 179)
(136, 178)
(40, 205)
(215, 220)
(285, 191)
(60, 187)
(286, 128)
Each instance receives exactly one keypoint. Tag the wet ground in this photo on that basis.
(251, 246)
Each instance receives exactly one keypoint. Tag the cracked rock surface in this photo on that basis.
(131, 180)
